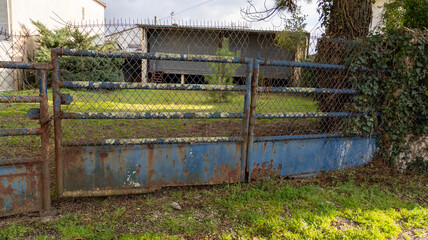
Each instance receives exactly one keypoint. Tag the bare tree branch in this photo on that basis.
(279, 8)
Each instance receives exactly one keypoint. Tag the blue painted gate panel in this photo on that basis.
(121, 169)
(303, 157)
(20, 189)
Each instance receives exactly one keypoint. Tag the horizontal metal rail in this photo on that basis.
(23, 65)
(149, 115)
(307, 115)
(12, 162)
(19, 132)
(307, 136)
(305, 90)
(154, 56)
(19, 99)
(154, 86)
(188, 140)
(267, 62)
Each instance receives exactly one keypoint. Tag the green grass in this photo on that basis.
(363, 203)
(14, 115)
(163, 101)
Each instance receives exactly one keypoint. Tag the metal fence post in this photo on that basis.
(57, 121)
(252, 120)
(246, 120)
(44, 126)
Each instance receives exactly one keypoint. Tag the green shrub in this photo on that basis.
(222, 73)
(78, 68)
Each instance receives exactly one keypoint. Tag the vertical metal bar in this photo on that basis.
(246, 120)
(252, 122)
(57, 122)
(44, 126)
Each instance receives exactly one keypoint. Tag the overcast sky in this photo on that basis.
(200, 10)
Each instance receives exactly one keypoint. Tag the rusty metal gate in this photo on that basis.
(90, 165)
(281, 130)
(129, 118)
(25, 181)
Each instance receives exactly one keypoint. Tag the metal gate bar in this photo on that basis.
(22, 190)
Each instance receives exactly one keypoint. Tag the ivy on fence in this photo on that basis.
(394, 92)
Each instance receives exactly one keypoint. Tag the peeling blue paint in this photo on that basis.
(149, 115)
(296, 157)
(20, 189)
(152, 86)
(307, 115)
(121, 168)
(301, 90)
(19, 99)
(154, 56)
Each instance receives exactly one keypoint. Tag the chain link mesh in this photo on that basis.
(149, 38)
(17, 82)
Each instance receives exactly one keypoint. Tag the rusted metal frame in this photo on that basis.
(307, 136)
(307, 115)
(149, 115)
(153, 86)
(305, 90)
(57, 121)
(21, 161)
(44, 126)
(184, 140)
(20, 132)
(246, 120)
(19, 99)
(252, 122)
(154, 56)
(22, 65)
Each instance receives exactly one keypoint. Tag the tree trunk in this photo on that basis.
(348, 20)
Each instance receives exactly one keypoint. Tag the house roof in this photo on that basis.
(190, 28)
(100, 2)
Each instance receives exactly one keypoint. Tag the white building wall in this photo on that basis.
(4, 26)
(52, 13)
(377, 9)
(6, 75)
(16, 16)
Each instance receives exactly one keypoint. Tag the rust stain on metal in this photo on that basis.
(151, 171)
(24, 190)
(138, 169)
(264, 170)
(103, 159)
(225, 174)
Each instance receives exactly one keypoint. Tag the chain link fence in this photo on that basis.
(294, 91)
(17, 82)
